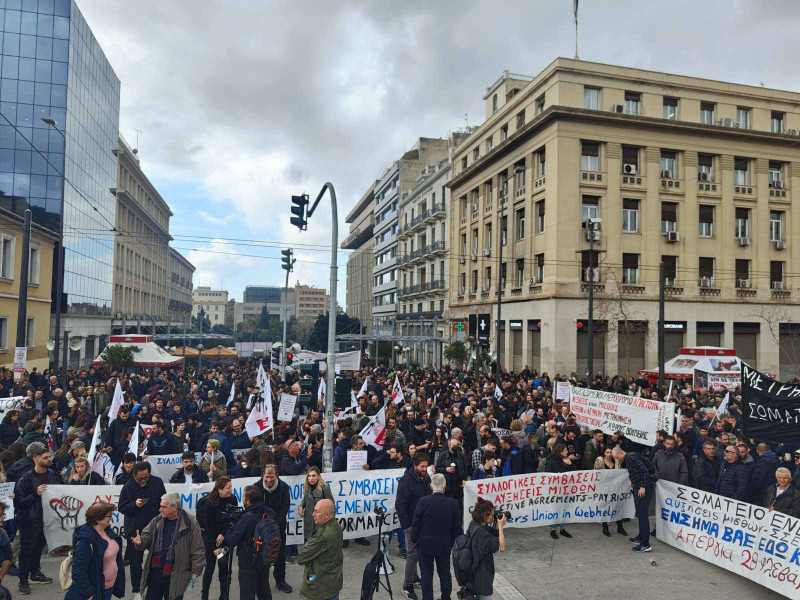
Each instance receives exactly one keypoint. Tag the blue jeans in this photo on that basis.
(558, 526)
(401, 537)
(108, 593)
(642, 506)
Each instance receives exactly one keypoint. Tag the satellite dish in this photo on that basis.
(50, 344)
(75, 344)
(295, 348)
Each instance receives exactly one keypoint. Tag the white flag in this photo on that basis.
(375, 431)
(679, 420)
(260, 419)
(133, 447)
(48, 435)
(397, 392)
(116, 403)
(233, 394)
(498, 393)
(669, 392)
(723, 408)
(353, 401)
(95, 457)
(321, 390)
(363, 389)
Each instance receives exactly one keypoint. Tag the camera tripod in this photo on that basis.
(385, 568)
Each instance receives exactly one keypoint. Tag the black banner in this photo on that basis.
(770, 408)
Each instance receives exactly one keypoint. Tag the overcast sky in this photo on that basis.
(242, 103)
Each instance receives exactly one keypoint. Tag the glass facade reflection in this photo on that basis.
(53, 67)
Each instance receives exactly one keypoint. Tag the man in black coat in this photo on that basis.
(733, 480)
(453, 465)
(189, 471)
(414, 484)
(139, 500)
(435, 526)
(706, 468)
(277, 497)
(161, 442)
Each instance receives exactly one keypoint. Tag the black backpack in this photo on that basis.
(463, 559)
(266, 543)
(199, 510)
(371, 577)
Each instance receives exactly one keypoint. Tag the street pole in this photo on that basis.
(590, 350)
(124, 323)
(660, 327)
(22, 308)
(200, 349)
(185, 326)
(65, 361)
(139, 324)
(285, 314)
(169, 330)
(500, 277)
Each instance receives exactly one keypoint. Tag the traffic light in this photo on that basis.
(300, 219)
(344, 389)
(276, 353)
(287, 260)
(309, 383)
(289, 357)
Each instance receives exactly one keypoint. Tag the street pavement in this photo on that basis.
(533, 567)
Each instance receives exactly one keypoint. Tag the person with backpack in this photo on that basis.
(210, 511)
(251, 548)
(473, 553)
(642, 474)
(96, 565)
(176, 555)
(322, 556)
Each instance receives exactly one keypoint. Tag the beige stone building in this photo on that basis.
(181, 272)
(360, 262)
(213, 302)
(694, 174)
(310, 302)
(141, 244)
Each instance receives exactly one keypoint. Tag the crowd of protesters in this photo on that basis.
(458, 424)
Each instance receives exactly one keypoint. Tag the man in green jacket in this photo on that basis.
(322, 556)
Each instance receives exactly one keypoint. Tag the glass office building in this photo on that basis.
(53, 67)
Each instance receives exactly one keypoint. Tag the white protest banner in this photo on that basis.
(347, 361)
(724, 382)
(286, 407)
(562, 391)
(375, 431)
(6, 489)
(637, 418)
(20, 359)
(166, 465)
(356, 459)
(749, 540)
(539, 499)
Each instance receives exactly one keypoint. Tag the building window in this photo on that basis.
(633, 101)
(589, 209)
(707, 110)
(475, 241)
(591, 98)
(539, 267)
(520, 271)
(630, 216)
(34, 265)
(540, 105)
(463, 285)
(630, 268)
(490, 144)
(706, 270)
(504, 133)
(776, 274)
(742, 223)
(494, 104)
(503, 230)
(476, 154)
(30, 332)
(669, 217)
(776, 122)
(670, 269)
(463, 244)
(489, 192)
(4, 332)
(589, 262)
(630, 158)
(775, 226)
(775, 174)
(487, 234)
(474, 281)
(705, 167)
(503, 276)
(590, 155)
(520, 120)
(540, 216)
(743, 117)
(706, 221)
(742, 273)
(541, 163)
(520, 223)
(670, 109)
(669, 164)
(487, 278)
(464, 164)
(7, 258)
(741, 171)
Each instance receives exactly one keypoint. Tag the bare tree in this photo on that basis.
(773, 316)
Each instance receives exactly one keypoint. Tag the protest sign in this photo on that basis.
(166, 465)
(770, 409)
(356, 459)
(539, 499)
(715, 381)
(562, 391)
(355, 495)
(500, 432)
(637, 418)
(6, 489)
(346, 361)
(745, 539)
(286, 407)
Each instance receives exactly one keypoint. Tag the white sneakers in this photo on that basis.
(137, 596)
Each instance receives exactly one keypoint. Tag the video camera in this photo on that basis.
(498, 514)
(230, 515)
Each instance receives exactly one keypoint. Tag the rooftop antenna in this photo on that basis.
(575, 18)
(138, 132)
(763, 83)
(466, 122)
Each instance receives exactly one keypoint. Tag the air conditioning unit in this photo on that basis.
(474, 258)
(475, 207)
(593, 234)
(726, 122)
(462, 260)
(618, 108)
(673, 236)
(743, 241)
(793, 132)
(743, 283)
(702, 176)
(705, 282)
(780, 245)
(485, 288)
(534, 281)
(666, 175)
(669, 281)
(777, 285)
(629, 169)
(487, 252)
(778, 184)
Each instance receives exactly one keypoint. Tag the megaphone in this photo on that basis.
(50, 344)
(75, 344)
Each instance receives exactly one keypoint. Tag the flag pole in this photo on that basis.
(575, 12)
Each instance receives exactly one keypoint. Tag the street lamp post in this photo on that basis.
(60, 258)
